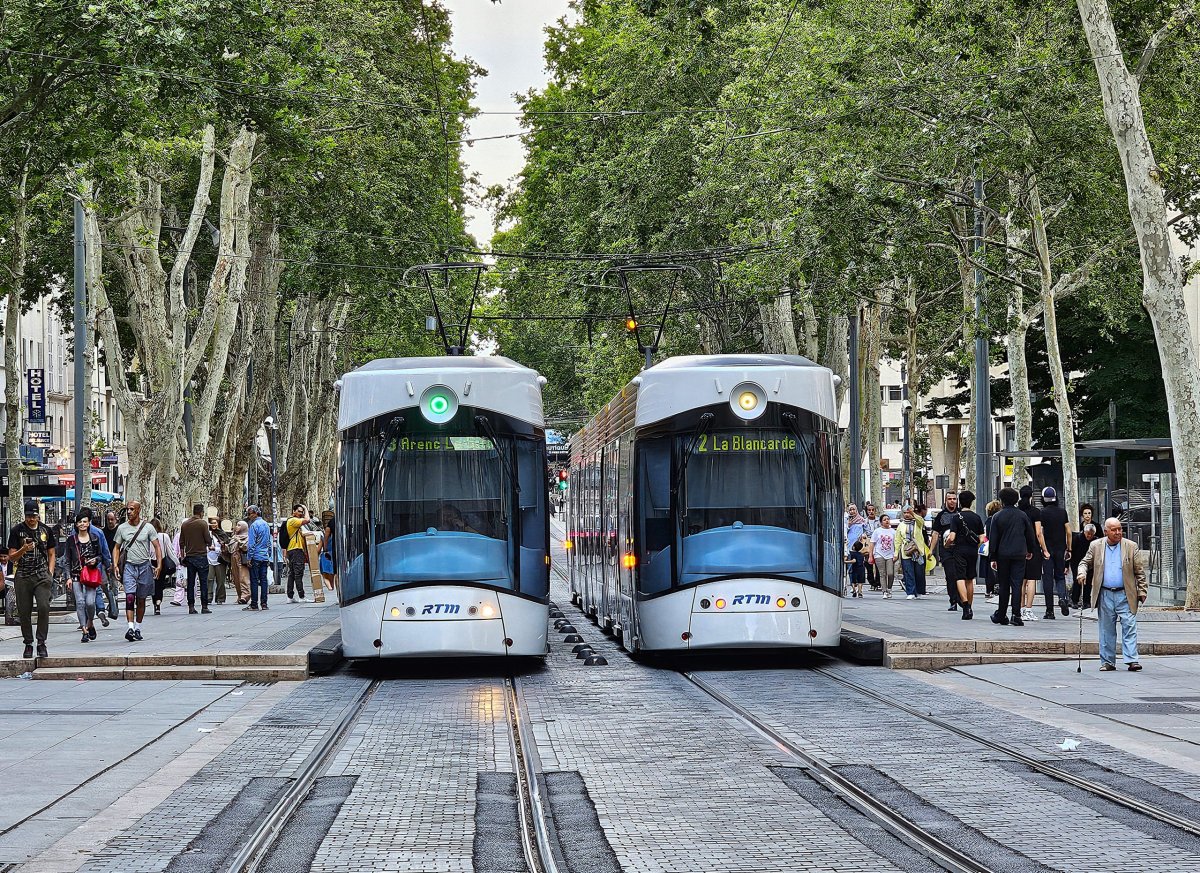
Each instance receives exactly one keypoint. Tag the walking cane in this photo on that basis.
(1079, 651)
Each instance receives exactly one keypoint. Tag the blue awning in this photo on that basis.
(98, 496)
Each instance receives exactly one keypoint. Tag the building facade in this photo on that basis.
(44, 346)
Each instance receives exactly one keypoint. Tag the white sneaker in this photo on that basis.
(918, 596)
(887, 595)
(911, 597)
(291, 600)
(992, 599)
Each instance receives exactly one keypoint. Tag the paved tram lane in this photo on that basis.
(678, 783)
(417, 751)
(1060, 828)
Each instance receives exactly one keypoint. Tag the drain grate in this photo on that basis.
(1134, 708)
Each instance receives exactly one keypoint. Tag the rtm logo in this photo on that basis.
(440, 609)
(748, 599)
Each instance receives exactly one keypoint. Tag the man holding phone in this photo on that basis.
(293, 535)
(31, 545)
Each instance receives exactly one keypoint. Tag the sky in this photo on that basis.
(506, 40)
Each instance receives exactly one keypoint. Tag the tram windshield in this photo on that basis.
(755, 477)
(738, 501)
(449, 484)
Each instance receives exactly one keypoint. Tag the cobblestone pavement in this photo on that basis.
(973, 783)
(273, 748)
(417, 750)
(678, 782)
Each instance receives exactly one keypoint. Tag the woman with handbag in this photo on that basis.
(85, 561)
(169, 565)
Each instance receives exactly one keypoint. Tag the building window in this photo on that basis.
(889, 435)
(890, 392)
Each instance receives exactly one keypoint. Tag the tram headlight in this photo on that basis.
(781, 602)
(438, 404)
(705, 603)
(395, 612)
(720, 604)
(487, 610)
(748, 400)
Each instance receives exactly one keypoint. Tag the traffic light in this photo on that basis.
(563, 480)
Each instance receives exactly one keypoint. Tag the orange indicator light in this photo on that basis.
(781, 603)
(629, 561)
(568, 545)
(720, 603)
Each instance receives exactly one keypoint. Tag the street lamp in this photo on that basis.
(272, 430)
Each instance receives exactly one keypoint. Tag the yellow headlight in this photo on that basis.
(748, 400)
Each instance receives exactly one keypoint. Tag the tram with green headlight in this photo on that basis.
(705, 507)
(441, 506)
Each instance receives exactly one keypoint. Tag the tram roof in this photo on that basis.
(484, 381)
(688, 381)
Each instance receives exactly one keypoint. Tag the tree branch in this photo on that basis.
(1180, 17)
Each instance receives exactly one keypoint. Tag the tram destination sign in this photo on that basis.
(445, 444)
(736, 442)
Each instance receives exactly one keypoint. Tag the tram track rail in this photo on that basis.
(1097, 789)
(875, 810)
(532, 813)
(260, 840)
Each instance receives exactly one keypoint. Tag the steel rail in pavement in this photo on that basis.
(536, 842)
(877, 811)
(263, 837)
(1092, 787)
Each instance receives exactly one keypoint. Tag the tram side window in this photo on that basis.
(535, 572)
(351, 518)
(654, 499)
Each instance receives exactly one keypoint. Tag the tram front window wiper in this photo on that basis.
(677, 485)
(485, 425)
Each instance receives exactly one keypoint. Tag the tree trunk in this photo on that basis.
(912, 384)
(1062, 402)
(835, 355)
(1162, 273)
(872, 347)
(15, 381)
(1018, 380)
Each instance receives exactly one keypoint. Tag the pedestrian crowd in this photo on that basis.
(1017, 546)
(144, 559)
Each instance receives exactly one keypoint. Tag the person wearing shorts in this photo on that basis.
(137, 552)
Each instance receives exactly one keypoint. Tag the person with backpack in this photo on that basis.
(1011, 542)
(967, 538)
(31, 545)
(1056, 530)
(87, 561)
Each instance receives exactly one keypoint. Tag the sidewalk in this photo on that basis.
(229, 643)
(923, 634)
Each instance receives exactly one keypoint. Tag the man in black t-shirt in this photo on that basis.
(941, 543)
(1056, 532)
(965, 562)
(31, 546)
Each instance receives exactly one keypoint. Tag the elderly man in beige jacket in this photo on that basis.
(1118, 589)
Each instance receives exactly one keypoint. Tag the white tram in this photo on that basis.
(443, 533)
(705, 507)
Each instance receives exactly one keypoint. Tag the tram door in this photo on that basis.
(625, 533)
(610, 564)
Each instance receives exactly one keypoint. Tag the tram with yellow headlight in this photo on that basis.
(441, 509)
(705, 508)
